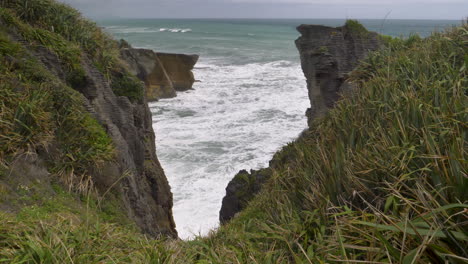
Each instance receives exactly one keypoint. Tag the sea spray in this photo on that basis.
(236, 118)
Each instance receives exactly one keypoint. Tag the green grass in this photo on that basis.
(38, 111)
(356, 28)
(386, 169)
(65, 229)
(64, 31)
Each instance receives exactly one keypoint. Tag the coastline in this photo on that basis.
(379, 175)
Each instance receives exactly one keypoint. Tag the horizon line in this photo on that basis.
(273, 18)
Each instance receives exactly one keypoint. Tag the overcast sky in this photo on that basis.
(396, 9)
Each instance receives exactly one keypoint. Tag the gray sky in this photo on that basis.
(397, 9)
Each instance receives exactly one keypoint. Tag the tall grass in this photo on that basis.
(64, 31)
(64, 230)
(39, 113)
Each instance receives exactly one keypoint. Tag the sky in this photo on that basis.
(356, 9)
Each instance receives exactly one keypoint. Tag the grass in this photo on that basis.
(64, 31)
(356, 28)
(381, 178)
(65, 230)
(37, 112)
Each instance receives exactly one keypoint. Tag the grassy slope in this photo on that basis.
(38, 109)
(382, 177)
(43, 115)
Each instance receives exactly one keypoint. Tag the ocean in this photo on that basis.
(249, 102)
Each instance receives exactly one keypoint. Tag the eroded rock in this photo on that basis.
(135, 175)
(162, 73)
(328, 55)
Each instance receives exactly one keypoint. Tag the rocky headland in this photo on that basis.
(163, 73)
(327, 55)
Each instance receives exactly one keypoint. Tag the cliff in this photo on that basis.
(328, 55)
(162, 73)
(74, 116)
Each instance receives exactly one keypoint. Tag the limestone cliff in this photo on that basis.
(327, 56)
(146, 192)
(162, 73)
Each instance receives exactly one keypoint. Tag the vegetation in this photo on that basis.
(40, 112)
(356, 28)
(66, 230)
(64, 31)
(382, 178)
(37, 110)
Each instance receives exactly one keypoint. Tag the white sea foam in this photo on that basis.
(175, 30)
(236, 118)
(127, 30)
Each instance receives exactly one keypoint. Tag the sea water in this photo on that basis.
(249, 102)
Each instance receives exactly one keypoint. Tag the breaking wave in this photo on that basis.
(237, 117)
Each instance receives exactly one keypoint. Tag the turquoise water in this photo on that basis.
(249, 102)
(244, 41)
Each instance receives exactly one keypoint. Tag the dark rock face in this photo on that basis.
(146, 192)
(241, 190)
(327, 56)
(136, 174)
(162, 73)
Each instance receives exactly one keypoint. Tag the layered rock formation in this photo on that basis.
(162, 73)
(327, 56)
(145, 189)
(135, 175)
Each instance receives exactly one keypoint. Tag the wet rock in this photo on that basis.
(145, 189)
(179, 68)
